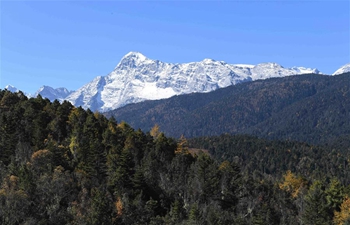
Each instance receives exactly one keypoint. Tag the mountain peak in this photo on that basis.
(45, 87)
(135, 55)
(343, 69)
(208, 60)
(132, 60)
(11, 88)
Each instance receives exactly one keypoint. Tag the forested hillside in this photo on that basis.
(310, 108)
(64, 165)
(273, 158)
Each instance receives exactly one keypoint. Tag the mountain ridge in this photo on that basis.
(53, 93)
(137, 78)
(277, 108)
(45, 91)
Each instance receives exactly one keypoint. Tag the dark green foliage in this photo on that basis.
(65, 165)
(205, 179)
(267, 157)
(316, 206)
(101, 207)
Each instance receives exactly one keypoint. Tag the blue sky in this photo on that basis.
(68, 43)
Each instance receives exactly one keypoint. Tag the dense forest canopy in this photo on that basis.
(61, 164)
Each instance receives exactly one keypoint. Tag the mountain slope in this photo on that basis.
(321, 117)
(137, 78)
(281, 108)
(343, 69)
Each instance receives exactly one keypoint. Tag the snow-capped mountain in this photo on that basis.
(11, 88)
(343, 69)
(137, 78)
(53, 93)
(14, 89)
(45, 92)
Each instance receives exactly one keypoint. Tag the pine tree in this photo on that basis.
(316, 211)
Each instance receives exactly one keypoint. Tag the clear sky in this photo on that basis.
(68, 43)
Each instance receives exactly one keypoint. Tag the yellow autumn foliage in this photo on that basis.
(123, 125)
(73, 144)
(119, 207)
(13, 179)
(292, 184)
(182, 146)
(112, 128)
(2, 192)
(39, 154)
(155, 131)
(224, 165)
(341, 217)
